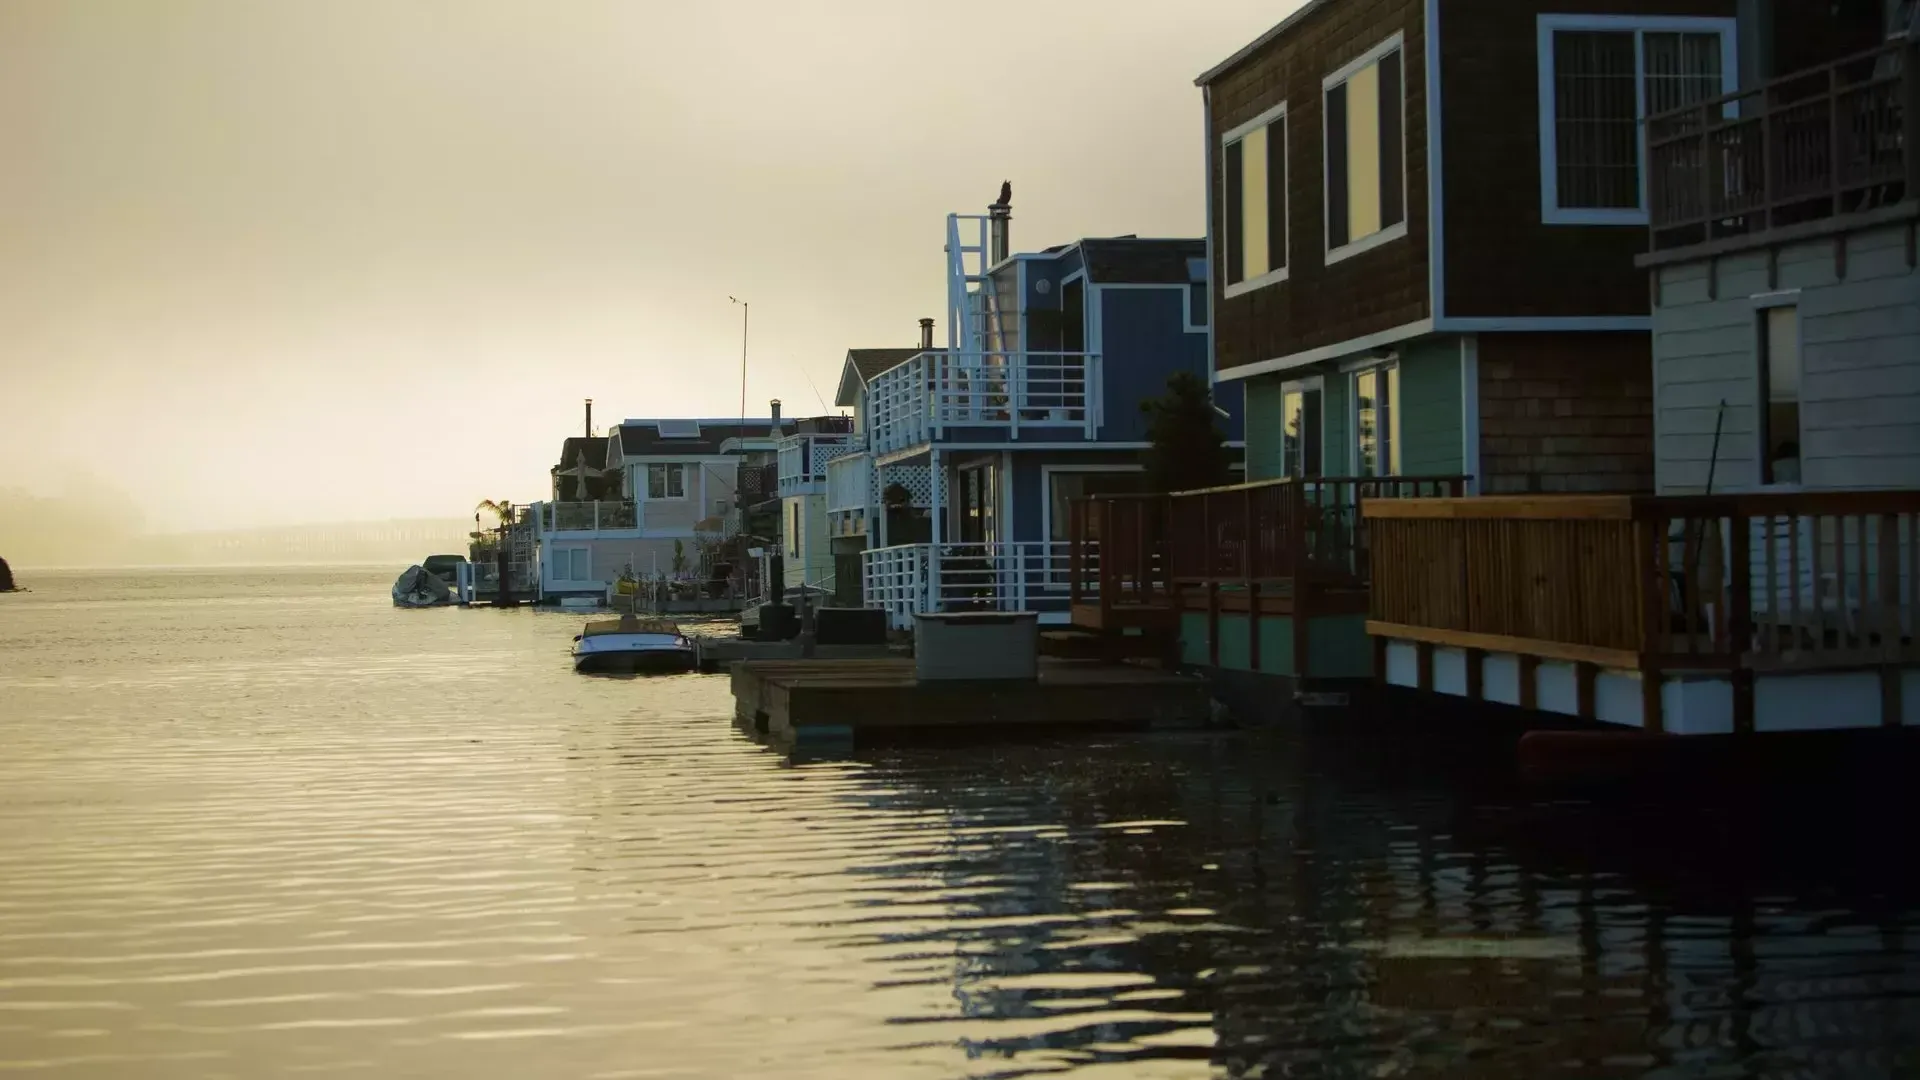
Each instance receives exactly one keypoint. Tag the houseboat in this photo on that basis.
(953, 493)
(1771, 584)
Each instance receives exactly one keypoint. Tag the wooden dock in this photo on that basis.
(720, 653)
(802, 700)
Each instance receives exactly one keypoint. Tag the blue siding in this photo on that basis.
(1143, 340)
(1029, 482)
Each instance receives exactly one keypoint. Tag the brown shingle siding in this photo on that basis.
(1318, 304)
(1565, 412)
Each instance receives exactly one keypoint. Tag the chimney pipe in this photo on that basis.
(774, 405)
(589, 418)
(998, 215)
(926, 333)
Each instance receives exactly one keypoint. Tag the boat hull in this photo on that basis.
(633, 654)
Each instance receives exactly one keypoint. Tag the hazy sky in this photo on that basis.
(264, 262)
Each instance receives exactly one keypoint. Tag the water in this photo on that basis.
(260, 824)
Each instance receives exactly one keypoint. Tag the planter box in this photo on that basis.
(976, 645)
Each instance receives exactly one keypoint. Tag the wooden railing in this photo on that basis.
(1827, 141)
(1140, 550)
(1704, 583)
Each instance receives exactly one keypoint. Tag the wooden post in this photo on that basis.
(1653, 716)
(1213, 623)
(1529, 682)
(1476, 674)
(1584, 675)
(1076, 536)
(1423, 665)
(1253, 626)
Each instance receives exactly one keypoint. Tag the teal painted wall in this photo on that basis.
(1430, 442)
(1264, 426)
(1337, 645)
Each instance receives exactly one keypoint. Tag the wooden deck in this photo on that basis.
(787, 700)
(718, 653)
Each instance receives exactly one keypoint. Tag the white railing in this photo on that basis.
(804, 459)
(849, 482)
(914, 402)
(909, 578)
(586, 516)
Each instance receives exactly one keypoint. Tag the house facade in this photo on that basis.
(669, 488)
(955, 494)
(1786, 301)
(1423, 216)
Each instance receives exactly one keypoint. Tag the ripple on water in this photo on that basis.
(261, 824)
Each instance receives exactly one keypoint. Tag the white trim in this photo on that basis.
(1780, 298)
(1206, 141)
(1250, 47)
(1392, 232)
(1301, 386)
(1545, 27)
(1536, 324)
(1470, 411)
(1436, 173)
(1348, 367)
(1280, 273)
(1353, 373)
(1764, 304)
(1186, 310)
(1047, 473)
(1329, 352)
(1145, 285)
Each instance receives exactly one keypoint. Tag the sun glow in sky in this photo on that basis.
(276, 262)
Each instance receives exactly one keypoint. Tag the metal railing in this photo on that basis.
(587, 516)
(914, 402)
(1831, 140)
(1015, 576)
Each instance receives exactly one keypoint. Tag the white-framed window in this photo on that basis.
(1301, 428)
(1366, 152)
(572, 564)
(666, 481)
(1198, 303)
(1601, 77)
(1066, 482)
(1376, 420)
(1253, 197)
(1777, 365)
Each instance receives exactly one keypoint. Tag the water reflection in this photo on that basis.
(266, 825)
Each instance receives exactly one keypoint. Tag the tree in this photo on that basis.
(1187, 449)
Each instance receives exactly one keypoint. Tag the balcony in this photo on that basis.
(849, 491)
(1826, 143)
(915, 403)
(587, 516)
(906, 579)
(804, 459)
(757, 483)
(1659, 612)
(1277, 547)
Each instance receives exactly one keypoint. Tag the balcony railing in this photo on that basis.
(914, 402)
(588, 516)
(909, 578)
(1775, 581)
(803, 461)
(1816, 144)
(757, 483)
(1145, 551)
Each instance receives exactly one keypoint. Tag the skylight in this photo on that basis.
(678, 429)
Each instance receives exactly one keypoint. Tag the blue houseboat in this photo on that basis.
(969, 454)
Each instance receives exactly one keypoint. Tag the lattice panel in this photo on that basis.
(917, 479)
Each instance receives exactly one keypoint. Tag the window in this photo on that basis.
(1064, 486)
(1197, 306)
(1600, 78)
(1376, 422)
(1254, 175)
(793, 530)
(572, 564)
(1300, 430)
(666, 482)
(1779, 394)
(1366, 153)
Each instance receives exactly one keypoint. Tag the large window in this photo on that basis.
(1366, 152)
(666, 481)
(1255, 199)
(1063, 486)
(1779, 396)
(1300, 429)
(572, 564)
(1601, 77)
(1376, 421)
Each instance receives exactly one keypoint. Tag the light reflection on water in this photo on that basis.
(261, 823)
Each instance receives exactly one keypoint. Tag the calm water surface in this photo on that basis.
(260, 823)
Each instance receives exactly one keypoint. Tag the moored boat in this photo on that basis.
(416, 587)
(632, 645)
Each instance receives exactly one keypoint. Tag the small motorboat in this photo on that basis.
(416, 587)
(632, 645)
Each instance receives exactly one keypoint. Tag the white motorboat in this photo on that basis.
(632, 645)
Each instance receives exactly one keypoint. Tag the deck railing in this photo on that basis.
(803, 460)
(1819, 143)
(914, 402)
(588, 516)
(1014, 576)
(1705, 583)
(1278, 532)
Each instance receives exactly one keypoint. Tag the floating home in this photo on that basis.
(1772, 583)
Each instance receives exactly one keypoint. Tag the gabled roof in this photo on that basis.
(642, 438)
(578, 448)
(1248, 49)
(862, 365)
(1130, 260)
